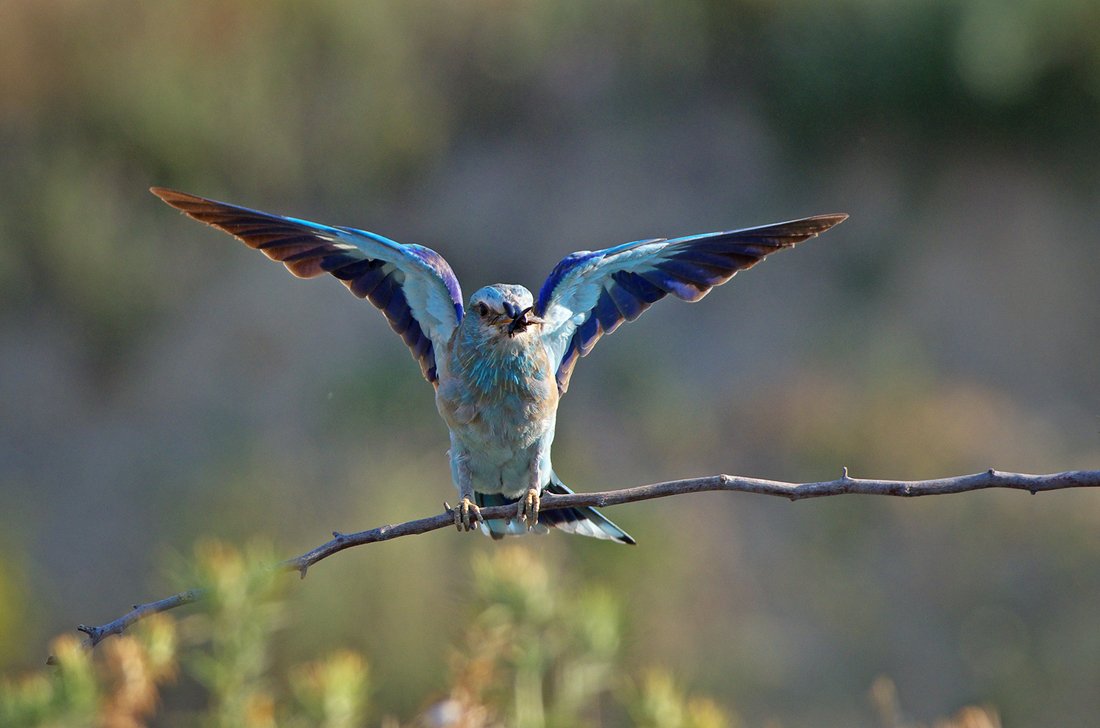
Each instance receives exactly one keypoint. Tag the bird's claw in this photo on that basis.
(467, 515)
(527, 509)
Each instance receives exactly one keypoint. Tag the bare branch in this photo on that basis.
(139, 611)
(844, 485)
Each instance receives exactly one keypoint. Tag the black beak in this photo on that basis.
(520, 322)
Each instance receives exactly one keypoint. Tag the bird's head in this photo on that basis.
(501, 311)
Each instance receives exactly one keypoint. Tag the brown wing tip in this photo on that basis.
(829, 220)
(176, 198)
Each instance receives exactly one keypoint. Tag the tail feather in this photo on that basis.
(584, 521)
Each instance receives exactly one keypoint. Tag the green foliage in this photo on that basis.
(536, 652)
(232, 640)
(884, 698)
(226, 648)
(243, 612)
(660, 703)
(116, 686)
(331, 693)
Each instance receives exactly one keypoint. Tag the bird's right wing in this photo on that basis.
(589, 294)
(412, 285)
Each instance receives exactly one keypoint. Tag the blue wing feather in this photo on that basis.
(589, 294)
(637, 286)
(607, 313)
(628, 302)
(574, 260)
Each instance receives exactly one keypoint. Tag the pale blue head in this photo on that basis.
(501, 311)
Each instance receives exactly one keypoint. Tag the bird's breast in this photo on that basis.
(504, 395)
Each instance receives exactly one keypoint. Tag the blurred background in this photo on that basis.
(160, 383)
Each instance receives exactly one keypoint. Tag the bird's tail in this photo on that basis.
(584, 521)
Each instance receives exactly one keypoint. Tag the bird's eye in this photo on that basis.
(482, 309)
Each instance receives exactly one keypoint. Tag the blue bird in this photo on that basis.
(500, 368)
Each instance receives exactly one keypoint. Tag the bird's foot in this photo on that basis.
(527, 508)
(467, 515)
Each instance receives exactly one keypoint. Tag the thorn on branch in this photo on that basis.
(844, 473)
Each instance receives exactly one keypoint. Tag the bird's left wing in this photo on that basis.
(412, 285)
(590, 294)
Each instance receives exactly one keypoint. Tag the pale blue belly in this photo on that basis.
(504, 457)
(510, 477)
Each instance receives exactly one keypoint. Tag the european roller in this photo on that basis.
(500, 366)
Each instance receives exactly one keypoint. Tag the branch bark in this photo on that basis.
(843, 485)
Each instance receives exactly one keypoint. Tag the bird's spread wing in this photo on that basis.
(412, 285)
(590, 294)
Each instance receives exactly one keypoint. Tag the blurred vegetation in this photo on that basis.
(535, 653)
(160, 384)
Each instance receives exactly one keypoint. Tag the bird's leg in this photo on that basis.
(467, 514)
(527, 508)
